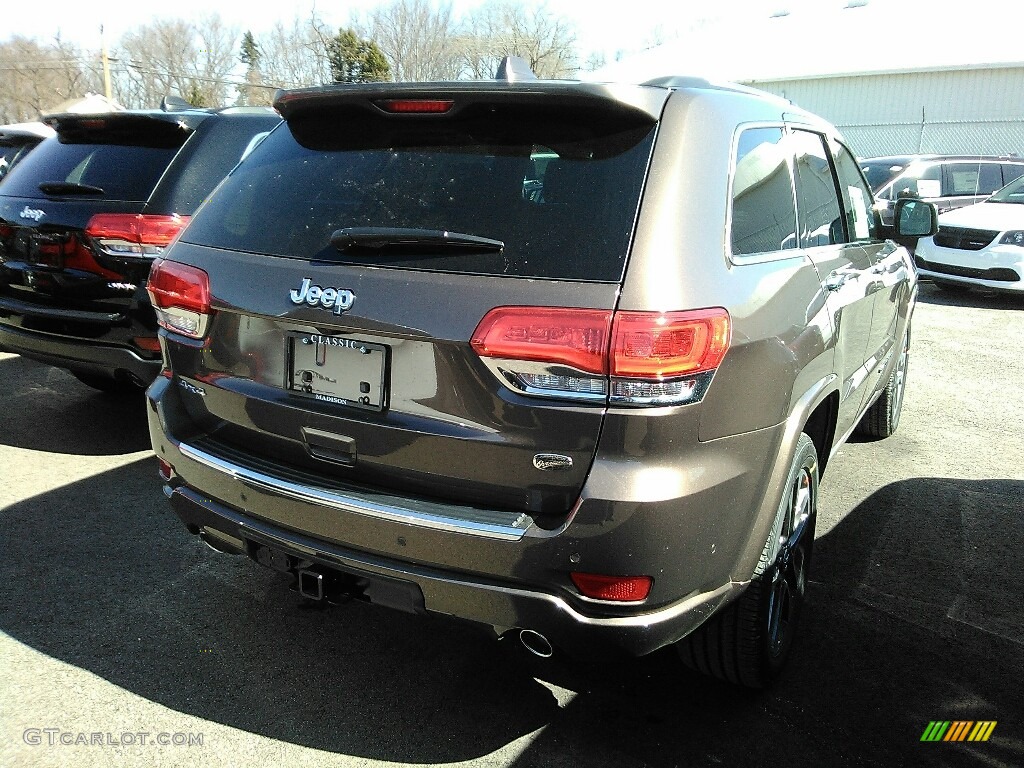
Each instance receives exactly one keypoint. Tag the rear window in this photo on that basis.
(122, 172)
(560, 189)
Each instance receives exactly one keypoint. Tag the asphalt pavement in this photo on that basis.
(125, 642)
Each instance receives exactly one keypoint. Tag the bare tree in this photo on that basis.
(502, 28)
(419, 42)
(194, 60)
(296, 56)
(35, 78)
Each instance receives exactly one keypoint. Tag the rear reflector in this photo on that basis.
(615, 588)
(181, 297)
(149, 343)
(166, 470)
(415, 106)
(134, 234)
(625, 357)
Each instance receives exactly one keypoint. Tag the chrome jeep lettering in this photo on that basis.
(32, 213)
(337, 299)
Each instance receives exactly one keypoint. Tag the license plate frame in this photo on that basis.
(339, 370)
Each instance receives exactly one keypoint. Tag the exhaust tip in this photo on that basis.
(536, 643)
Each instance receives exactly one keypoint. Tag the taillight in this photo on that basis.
(614, 588)
(134, 234)
(629, 358)
(181, 297)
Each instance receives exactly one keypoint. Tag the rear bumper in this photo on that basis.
(417, 588)
(690, 530)
(82, 355)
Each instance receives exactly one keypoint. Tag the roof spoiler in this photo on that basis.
(514, 69)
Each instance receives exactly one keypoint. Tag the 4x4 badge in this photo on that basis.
(338, 299)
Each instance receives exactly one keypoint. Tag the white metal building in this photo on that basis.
(893, 78)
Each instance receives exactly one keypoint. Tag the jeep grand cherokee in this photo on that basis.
(83, 217)
(564, 359)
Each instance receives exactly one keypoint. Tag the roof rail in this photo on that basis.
(514, 69)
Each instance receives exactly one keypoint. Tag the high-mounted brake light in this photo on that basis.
(614, 588)
(630, 358)
(415, 106)
(134, 235)
(181, 297)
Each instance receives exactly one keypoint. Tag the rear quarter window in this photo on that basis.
(560, 190)
(207, 157)
(763, 211)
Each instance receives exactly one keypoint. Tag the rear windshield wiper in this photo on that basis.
(403, 239)
(69, 188)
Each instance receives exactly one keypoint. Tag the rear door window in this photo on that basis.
(559, 191)
(972, 179)
(763, 211)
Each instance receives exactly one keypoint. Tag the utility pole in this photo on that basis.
(106, 65)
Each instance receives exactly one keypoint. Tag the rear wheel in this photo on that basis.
(747, 643)
(883, 417)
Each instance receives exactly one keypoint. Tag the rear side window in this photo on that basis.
(821, 217)
(122, 172)
(207, 157)
(972, 178)
(763, 212)
(918, 181)
(559, 188)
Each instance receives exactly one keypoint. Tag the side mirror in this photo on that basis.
(915, 218)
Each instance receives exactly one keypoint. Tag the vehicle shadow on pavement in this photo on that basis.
(103, 576)
(43, 408)
(914, 615)
(979, 298)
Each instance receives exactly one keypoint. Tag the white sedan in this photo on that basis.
(981, 245)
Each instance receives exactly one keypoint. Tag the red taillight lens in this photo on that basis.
(134, 234)
(559, 335)
(181, 297)
(617, 588)
(653, 345)
(415, 106)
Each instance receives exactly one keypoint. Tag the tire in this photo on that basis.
(883, 417)
(106, 384)
(748, 642)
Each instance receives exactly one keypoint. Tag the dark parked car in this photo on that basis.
(17, 140)
(948, 181)
(478, 350)
(83, 217)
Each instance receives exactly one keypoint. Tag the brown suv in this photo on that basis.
(564, 359)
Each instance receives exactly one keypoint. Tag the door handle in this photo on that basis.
(836, 280)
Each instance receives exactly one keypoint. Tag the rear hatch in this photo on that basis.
(354, 257)
(58, 274)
